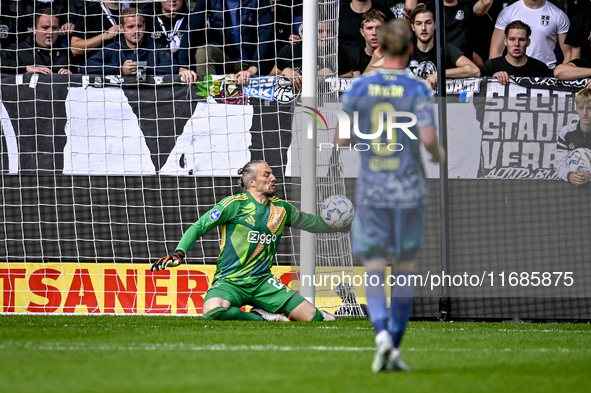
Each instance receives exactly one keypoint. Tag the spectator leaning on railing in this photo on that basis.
(124, 56)
(38, 53)
(515, 62)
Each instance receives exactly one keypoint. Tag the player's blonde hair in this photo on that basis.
(583, 97)
(247, 172)
(394, 37)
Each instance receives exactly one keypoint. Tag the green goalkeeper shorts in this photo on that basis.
(266, 292)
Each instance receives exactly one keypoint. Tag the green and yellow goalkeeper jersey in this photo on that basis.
(250, 233)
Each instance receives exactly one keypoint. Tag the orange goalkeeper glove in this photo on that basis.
(170, 260)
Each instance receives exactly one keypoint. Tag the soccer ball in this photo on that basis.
(337, 211)
(579, 160)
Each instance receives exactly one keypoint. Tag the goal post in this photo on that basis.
(324, 257)
(308, 143)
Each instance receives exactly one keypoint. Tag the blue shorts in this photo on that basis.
(379, 233)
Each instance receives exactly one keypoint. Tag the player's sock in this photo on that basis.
(401, 306)
(317, 316)
(376, 300)
(231, 314)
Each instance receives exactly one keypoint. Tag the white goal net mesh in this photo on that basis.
(102, 170)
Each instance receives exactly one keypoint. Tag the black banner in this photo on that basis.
(520, 122)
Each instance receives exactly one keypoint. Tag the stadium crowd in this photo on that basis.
(497, 38)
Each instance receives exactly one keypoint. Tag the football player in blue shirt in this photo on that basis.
(391, 191)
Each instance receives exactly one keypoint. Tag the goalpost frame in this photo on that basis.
(308, 135)
(445, 300)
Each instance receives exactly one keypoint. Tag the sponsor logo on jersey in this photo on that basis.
(258, 237)
(250, 220)
(214, 215)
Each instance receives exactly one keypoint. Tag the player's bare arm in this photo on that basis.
(428, 137)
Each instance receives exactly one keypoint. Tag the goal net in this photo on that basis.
(103, 171)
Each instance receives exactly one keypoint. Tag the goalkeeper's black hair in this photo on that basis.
(248, 172)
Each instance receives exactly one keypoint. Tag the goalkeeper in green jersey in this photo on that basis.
(252, 224)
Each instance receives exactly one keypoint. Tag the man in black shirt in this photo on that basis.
(350, 14)
(360, 57)
(423, 60)
(38, 54)
(515, 62)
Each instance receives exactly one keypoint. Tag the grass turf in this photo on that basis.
(187, 354)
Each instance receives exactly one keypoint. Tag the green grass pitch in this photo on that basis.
(188, 354)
